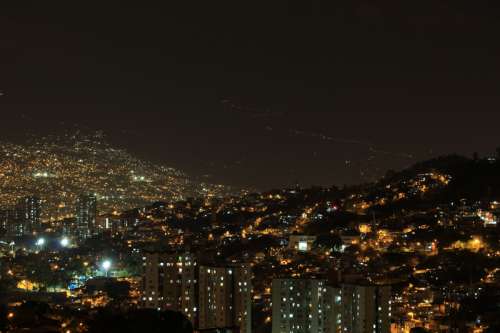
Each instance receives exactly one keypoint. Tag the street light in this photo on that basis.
(40, 242)
(106, 265)
(65, 242)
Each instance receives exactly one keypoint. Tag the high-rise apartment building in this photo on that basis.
(86, 216)
(28, 219)
(312, 306)
(366, 309)
(212, 297)
(12, 222)
(225, 294)
(305, 305)
(170, 282)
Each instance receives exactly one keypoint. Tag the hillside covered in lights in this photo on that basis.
(58, 169)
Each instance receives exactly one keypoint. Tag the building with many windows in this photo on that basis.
(225, 295)
(28, 219)
(305, 305)
(170, 282)
(366, 309)
(86, 216)
(312, 306)
(11, 222)
(212, 297)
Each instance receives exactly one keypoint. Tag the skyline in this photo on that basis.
(243, 167)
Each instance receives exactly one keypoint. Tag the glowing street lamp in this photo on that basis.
(40, 242)
(106, 265)
(64, 242)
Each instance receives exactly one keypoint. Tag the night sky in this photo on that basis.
(257, 95)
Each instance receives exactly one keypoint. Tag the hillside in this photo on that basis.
(442, 180)
(472, 179)
(59, 168)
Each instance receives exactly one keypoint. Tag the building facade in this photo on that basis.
(212, 297)
(305, 305)
(301, 243)
(28, 220)
(170, 283)
(312, 306)
(225, 296)
(366, 309)
(86, 216)
(12, 222)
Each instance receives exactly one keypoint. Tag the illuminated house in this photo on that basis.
(301, 243)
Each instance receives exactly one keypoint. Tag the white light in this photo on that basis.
(65, 242)
(40, 241)
(303, 247)
(106, 265)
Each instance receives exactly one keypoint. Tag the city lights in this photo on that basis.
(286, 167)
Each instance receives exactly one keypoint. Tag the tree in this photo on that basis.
(140, 321)
(117, 290)
(40, 272)
(4, 323)
(29, 314)
(328, 241)
(419, 330)
(7, 284)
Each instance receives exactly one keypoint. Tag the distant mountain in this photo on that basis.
(59, 168)
(467, 178)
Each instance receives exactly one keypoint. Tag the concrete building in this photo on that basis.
(312, 306)
(11, 222)
(366, 309)
(305, 305)
(301, 243)
(212, 297)
(225, 297)
(28, 220)
(86, 215)
(170, 283)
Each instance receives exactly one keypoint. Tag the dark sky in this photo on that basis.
(327, 92)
